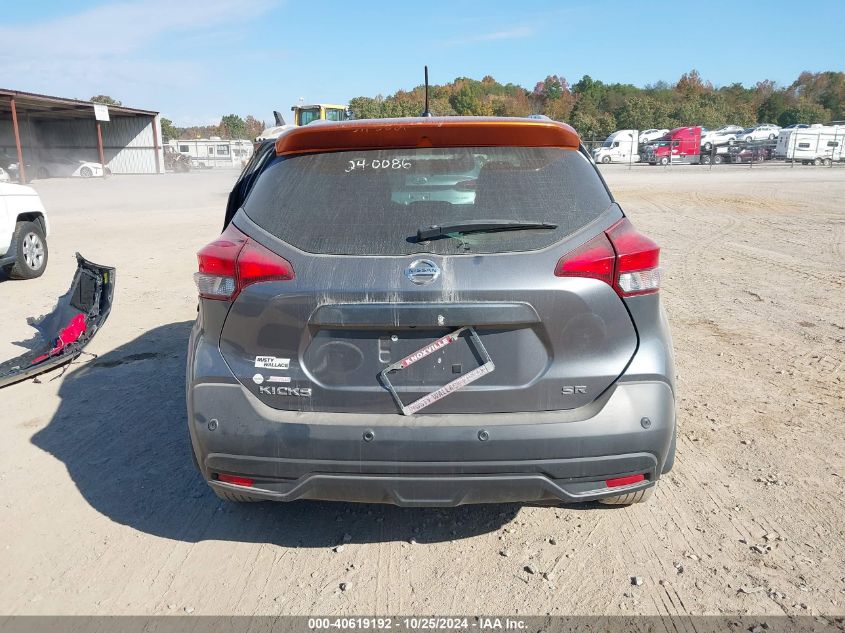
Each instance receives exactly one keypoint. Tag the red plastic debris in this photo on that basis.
(69, 334)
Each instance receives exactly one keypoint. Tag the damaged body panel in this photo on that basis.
(63, 333)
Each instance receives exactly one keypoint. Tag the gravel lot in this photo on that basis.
(102, 511)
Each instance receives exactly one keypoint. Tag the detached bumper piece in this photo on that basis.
(64, 333)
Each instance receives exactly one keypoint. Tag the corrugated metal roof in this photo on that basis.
(47, 106)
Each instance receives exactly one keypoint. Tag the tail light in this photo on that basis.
(234, 261)
(621, 257)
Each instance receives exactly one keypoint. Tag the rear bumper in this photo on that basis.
(432, 460)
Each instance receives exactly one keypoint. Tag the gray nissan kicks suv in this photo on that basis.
(429, 312)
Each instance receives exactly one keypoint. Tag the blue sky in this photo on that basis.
(195, 60)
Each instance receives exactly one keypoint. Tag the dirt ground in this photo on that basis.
(102, 511)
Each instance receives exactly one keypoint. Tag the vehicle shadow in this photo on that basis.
(120, 429)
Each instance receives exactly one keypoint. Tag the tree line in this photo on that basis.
(231, 126)
(596, 109)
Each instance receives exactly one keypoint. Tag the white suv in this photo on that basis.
(23, 232)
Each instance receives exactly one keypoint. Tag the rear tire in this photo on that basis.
(235, 497)
(708, 146)
(86, 172)
(629, 498)
(828, 162)
(717, 159)
(817, 162)
(31, 256)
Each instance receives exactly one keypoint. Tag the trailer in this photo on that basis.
(620, 147)
(214, 152)
(819, 145)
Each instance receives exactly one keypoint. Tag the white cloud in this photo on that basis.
(129, 50)
(518, 32)
(125, 27)
(511, 34)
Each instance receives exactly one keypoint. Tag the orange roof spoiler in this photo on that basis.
(426, 132)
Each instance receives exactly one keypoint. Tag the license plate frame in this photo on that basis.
(450, 387)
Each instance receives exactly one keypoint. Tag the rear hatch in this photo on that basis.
(369, 291)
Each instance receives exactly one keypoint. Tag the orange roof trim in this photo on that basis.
(426, 132)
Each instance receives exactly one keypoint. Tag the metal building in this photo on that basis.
(36, 127)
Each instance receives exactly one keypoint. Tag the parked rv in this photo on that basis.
(816, 145)
(214, 152)
(619, 147)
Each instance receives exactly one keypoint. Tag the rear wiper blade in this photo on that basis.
(478, 226)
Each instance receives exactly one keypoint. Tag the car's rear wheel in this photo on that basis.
(708, 146)
(717, 159)
(630, 498)
(827, 162)
(86, 172)
(234, 497)
(771, 137)
(31, 256)
(817, 161)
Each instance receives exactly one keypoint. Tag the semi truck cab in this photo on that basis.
(619, 147)
(681, 145)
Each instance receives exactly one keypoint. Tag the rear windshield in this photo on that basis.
(373, 202)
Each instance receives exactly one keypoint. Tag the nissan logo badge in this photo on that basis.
(422, 271)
